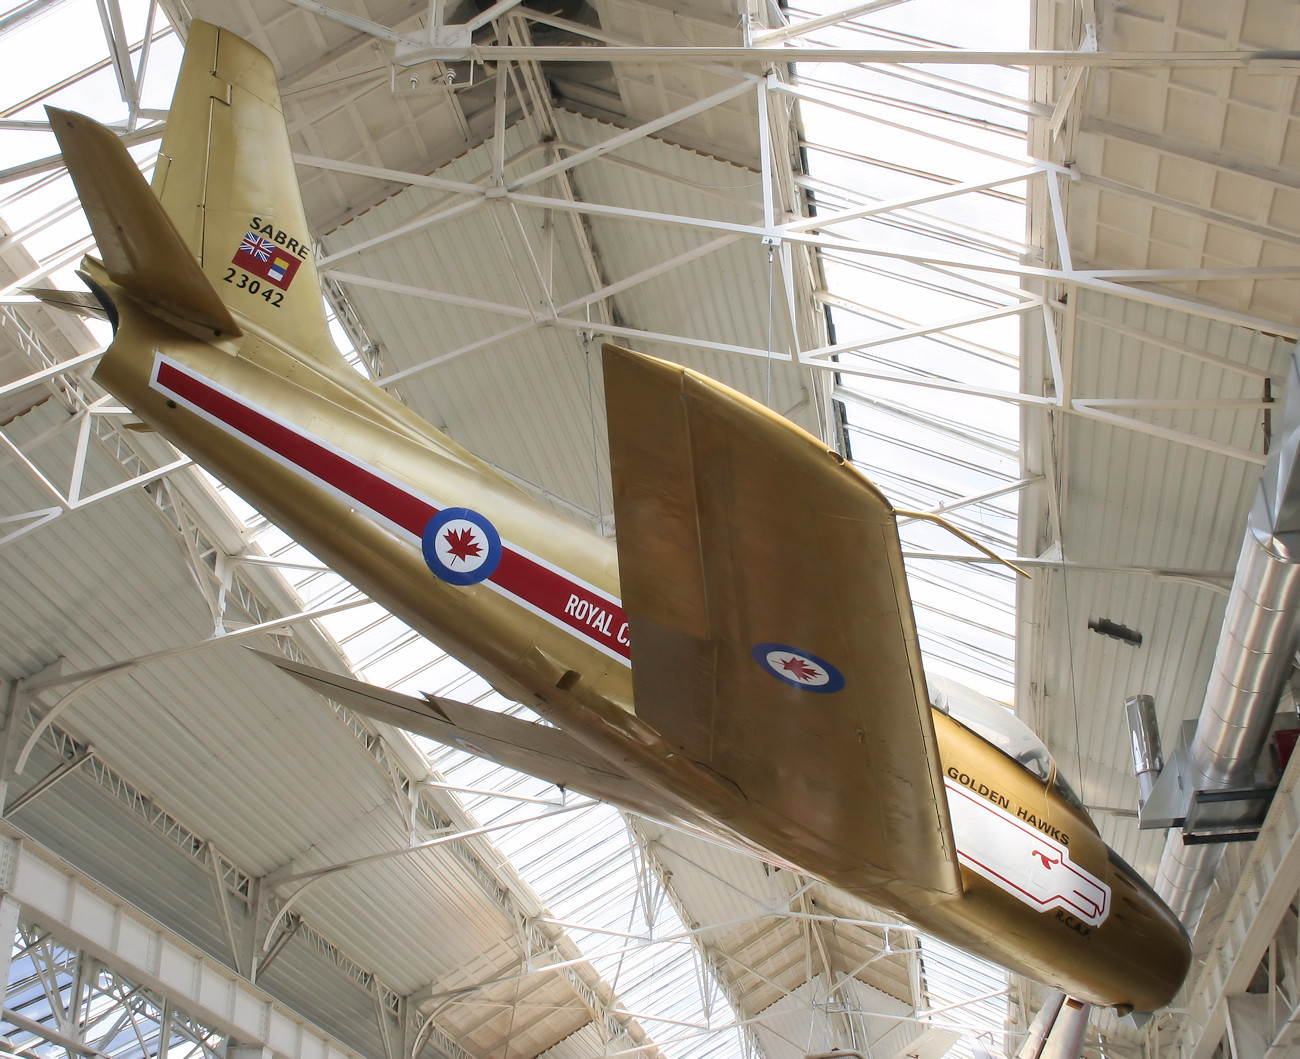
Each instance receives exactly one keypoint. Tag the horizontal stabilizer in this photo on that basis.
(539, 750)
(142, 250)
(77, 302)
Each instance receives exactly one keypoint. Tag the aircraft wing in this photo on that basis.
(539, 750)
(772, 631)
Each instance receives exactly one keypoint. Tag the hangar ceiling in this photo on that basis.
(1052, 300)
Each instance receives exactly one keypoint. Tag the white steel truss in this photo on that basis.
(996, 278)
(92, 976)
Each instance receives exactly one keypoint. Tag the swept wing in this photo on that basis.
(772, 633)
(537, 749)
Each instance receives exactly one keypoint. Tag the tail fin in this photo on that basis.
(226, 177)
(143, 252)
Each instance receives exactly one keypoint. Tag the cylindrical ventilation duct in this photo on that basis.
(1253, 659)
(1185, 877)
(1251, 664)
(1144, 732)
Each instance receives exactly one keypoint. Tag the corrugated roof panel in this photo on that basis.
(1151, 503)
(497, 395)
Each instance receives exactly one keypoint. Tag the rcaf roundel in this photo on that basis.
(467, 746)
(461, 546)
(798, 668)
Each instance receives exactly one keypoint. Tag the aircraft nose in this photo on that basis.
(1151, 949)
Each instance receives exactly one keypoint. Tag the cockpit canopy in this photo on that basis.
(996, 724)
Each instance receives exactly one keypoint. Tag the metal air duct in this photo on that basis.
(1145, 735)
(1251, 664)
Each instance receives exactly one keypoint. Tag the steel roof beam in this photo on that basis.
(1258, 61)
(959, 430)
(997, 313)
(1187, 209)
(799, 29)
(1093, 279)
(824, 220)
(363, 25)
(86, 679)
(417, 225)
(631, 135)
(72, 500)
(1090, 411)
(959, 346)
(119, 50)
(1258, 906)
(841, 100)
(980, 498)
(379, 173)
(24, 13)
(1265, 174)
(951, 86)
(1209, 578)
(54, 163)
(280, 877)
(1182, 348)
(709, 955)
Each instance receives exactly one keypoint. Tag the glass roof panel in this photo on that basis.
(935, 442)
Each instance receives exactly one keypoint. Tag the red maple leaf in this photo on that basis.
(799, 668)
(462, 545)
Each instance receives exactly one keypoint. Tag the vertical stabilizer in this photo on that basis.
(226, 177)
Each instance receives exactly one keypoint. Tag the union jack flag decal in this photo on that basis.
(265, 259)
(257, 246)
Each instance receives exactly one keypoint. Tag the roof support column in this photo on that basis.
(9, 912)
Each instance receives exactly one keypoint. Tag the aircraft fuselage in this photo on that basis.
(530, 600)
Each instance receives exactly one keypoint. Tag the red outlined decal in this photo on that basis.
(528, 580)
(1032, 866)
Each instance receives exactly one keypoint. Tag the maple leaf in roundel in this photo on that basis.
(462, 545)
(797, 667)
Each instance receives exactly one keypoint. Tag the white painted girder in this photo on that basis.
(1096, 279)
(85, 916)
(1256, 914)
(765, 56)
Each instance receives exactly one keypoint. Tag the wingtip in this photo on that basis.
(62, 121)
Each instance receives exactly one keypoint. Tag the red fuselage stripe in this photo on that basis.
(547, 591)
(572, 604)
(382, 497)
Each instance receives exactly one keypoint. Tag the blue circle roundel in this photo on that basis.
(461, 546)
(798, 668)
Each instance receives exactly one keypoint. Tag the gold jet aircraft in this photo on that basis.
(745, 664)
